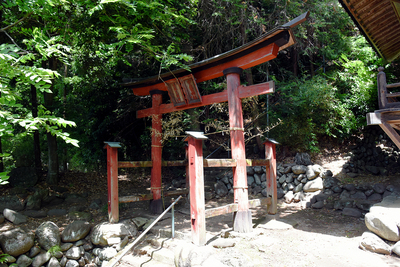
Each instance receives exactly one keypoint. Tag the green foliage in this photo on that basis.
(54, 250)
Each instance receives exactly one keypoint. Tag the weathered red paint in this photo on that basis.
(196, 180)
(112, 181)
(156, 148)
(238, 151)
(244, 92)
(270, 153)
(255, 58)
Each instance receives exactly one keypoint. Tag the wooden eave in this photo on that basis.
(279, 38)
(378, 21)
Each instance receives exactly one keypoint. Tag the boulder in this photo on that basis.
(16, 242)
(371, 242)
(314, 185)
(75, 231)
(14, 217)
(102, 232)
(383, 226)
(48, 235)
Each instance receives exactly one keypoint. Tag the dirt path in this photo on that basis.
(293, 237)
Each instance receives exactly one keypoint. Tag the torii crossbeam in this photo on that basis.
(181, 86)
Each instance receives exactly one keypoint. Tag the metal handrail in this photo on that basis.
(127, 248)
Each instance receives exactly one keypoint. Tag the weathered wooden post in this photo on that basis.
(112, 180)
(156, 206)
(242, 218)
(196, 181)
(270, 152)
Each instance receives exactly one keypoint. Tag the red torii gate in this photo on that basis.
(184, 94)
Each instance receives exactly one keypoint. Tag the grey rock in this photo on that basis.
(375, 197)
(264, 185)
(220, 189)
(374, 170)
(263, 177)
(223, 243)
(72, 263)
(383, 226)
(104, 231)
(107, 253)
(34, 251)
(41, 259)
(369, 192)
(372, 242)
(287, 169)
(256, 190)
(289, 178)
(258, 169)
(326, 173)
(302, 159)
(349, 187)
(310, 173)
(358, 195)
(289, 196)
(314, 185)
(299, 169)
(16, 242)
(14, 216)
(379, 188)
(75, 231)
(57, 212)
(352, 212)
(35, 213)
(318, 205)
(24, 261)
(298, 188)
(396, 248)
(73, 253)
(330, 182)
(66, 246)
(250, 180)
(390, 188)
(282, 179)
(63, 261)
(53, 262)
(250, 170)
(34, 201)
(337, 189)
(48, 235)
(280, 193)
(257, 179)
(140, 222)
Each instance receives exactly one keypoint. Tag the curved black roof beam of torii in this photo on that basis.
(277, 39)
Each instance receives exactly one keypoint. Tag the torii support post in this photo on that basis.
(156, 206)
(112, 180)
(196, 181)
(242, 218)
(270, 153)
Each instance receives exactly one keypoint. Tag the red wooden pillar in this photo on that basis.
(112, 180)
(156, 206)
(196, 181)
(242, 218)
(270, 153)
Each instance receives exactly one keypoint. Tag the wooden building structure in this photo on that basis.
(379, 22)
(182, 89)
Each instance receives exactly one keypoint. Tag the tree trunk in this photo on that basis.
(36, 136)
(294, 62)
(52, 173)
(65, 151)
